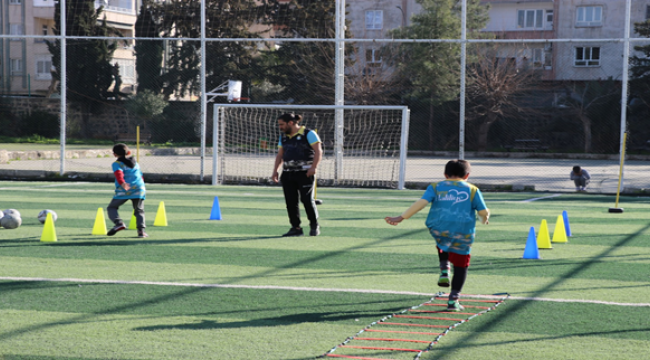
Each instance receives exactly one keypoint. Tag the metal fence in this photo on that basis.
(522, 105)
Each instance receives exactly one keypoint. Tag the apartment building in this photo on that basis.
(594, 19)
(565, 19)
(26, 63)
(373, 19)
(524, 19)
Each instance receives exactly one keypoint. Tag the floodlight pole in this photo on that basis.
(204, 100)
(339, 92)
(463, 64)
(624, 86)
(63, 113)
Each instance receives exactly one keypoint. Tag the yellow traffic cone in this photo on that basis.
(161, 216)
(133, 224)
(559, 234)
(49, 234)
(543, 239)
(100, 223)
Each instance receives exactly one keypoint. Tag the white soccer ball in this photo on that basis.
(11, 222)
(42, 216)
(12, 212)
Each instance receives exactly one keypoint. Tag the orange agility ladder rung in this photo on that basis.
(469, 300)
(388, 339)
(417, 325)
(426, 317)
(353, 357)
(378, 348)
(441, 312)
(403, 332)
(466, 306)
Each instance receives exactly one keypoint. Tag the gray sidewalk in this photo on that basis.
(543, 174)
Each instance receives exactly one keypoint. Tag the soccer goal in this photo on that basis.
(363, 146)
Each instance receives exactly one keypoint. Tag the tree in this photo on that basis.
(640, 89)
(88, 61)
(373, 85)
(224, 60)
(304, 70)
(146, 104)
(149, 53)
(640, 65)
(495, 90)
(432, 68)
(594, 101)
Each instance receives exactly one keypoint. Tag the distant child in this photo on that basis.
(581, 178)
(129, 185)
(452, 222)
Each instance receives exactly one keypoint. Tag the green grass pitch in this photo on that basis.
(126, 298)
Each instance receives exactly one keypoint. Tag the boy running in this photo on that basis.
(452, 222)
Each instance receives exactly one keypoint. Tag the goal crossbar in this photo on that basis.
(219, 126)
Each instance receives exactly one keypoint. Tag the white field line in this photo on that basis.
(217, 191)
(541, 198)
(298, 288)
(220, 192)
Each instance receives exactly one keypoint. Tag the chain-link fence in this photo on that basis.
(525, 92)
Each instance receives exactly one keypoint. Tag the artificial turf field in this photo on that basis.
(297, 298)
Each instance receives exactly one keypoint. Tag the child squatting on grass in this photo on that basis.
(129, 185)
(452, 222)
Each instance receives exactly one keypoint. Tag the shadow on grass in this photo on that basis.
(545, 338)
(292, 319)
(518, 306)
(129, 241)
(188, 291)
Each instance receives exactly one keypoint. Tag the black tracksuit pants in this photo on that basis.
(298, 187)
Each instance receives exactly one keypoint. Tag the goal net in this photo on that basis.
(363, 146)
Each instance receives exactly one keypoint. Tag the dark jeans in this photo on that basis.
(138, 211)
(297, 186)
(581, 182)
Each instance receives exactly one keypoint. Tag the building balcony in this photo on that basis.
(118, 6)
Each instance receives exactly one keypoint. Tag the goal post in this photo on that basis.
(371, 153)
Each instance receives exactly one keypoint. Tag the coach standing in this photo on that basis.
(299, 151)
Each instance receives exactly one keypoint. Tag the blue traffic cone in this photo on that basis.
(216, 210)
(567, 227)
(531, 251)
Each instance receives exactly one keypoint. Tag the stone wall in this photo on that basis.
(7, 156)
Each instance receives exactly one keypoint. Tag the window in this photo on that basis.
(16, 66)
(44, 32)
(647, 12)
(43, 3)
(127, 70)
(43, 68)
(532, 58)
(530, 19)
(508, 62)
(589, 16)
(14, 2)
(374, 19)
(373, 58)
(15, 29)
(548, 57)
(120, 4)
(538, 58)
(587, 56)
(549, 19)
